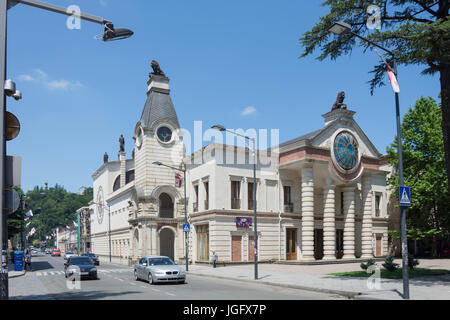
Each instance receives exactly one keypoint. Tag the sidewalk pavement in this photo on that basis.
(14, 274)
(298, 276)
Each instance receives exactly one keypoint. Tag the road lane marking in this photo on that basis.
(155, 290)
(38, 274)
(132, 283)
(170, 294)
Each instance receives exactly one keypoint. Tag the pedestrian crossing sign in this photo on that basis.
(405, 196)
(186, 228)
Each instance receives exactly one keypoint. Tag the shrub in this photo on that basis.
(412, 262)
(366, 265)
(389, 264)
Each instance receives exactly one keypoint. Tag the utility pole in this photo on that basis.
(109, 34)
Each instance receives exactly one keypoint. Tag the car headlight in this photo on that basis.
(93, 269)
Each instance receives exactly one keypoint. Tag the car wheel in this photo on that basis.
(136, 278)
(150, 278)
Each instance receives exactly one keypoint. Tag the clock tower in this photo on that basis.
(157, 138)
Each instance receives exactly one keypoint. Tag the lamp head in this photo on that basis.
(112, 34)
(218, 127)
(340, 27)
(158, 163)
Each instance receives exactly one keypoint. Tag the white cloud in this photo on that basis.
(249, 110)
(26, 77)
(41, 77)
(62, 84)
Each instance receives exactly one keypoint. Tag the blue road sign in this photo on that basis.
(405, 196)
(186, 227)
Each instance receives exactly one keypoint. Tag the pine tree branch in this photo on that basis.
(426, 8)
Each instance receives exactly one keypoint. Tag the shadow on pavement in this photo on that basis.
(75, 295)
(40, 265)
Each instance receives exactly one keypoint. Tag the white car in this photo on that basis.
(68, 254)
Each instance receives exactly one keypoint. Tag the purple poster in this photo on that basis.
(243, 222)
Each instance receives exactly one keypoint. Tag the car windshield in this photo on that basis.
(68, 252)
(80, 261)
(89, 255)
(160, 262)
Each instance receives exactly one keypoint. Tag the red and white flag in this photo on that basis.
(178, 180)
(391, 74)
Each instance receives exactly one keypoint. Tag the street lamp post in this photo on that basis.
(158, 163)
(109, 35)
(222, 128)
(339, 28)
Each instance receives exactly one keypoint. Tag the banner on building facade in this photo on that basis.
(178, 180)
(243, 222)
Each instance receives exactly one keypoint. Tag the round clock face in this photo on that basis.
(100, 205)
(164, 134)
(346, 150)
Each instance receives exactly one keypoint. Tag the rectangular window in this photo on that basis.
(250, 196)
(196, 198)
(206, 185)
(342, 203)
(235, 195)
(288, 205)
(377, 205)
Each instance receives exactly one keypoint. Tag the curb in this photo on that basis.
(347, 294)
(17, 275)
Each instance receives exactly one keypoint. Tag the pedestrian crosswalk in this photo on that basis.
(99, 271)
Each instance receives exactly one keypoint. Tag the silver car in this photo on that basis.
(68, 254)
(158, 269)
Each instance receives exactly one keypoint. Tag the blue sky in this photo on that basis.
(230, 62)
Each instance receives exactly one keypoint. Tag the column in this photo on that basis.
(349, 223)
(329, 223)
(123, 170)
(307, 214)
(366, 234)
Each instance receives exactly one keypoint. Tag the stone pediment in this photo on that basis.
(342, 120)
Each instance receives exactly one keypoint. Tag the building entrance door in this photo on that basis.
(251, 248)
(236, 248)
(318, 244)
(339, 243)
(291, 244)
(166, 243)
(378, 246)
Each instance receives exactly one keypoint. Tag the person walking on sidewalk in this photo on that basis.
(28, 260)
(214, 259)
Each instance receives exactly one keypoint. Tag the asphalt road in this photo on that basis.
(47, 281)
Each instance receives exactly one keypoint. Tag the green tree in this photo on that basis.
(424, 171)
(57, 208)
(418, 31)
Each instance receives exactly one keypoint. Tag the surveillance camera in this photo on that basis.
(10, 87)
(17, 95)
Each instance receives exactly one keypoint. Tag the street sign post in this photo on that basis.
(405, 196)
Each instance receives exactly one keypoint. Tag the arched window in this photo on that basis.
(116, 185)
(165, 206)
